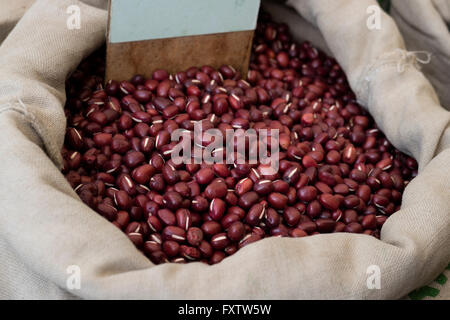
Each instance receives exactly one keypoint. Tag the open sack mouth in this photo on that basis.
(335, 170)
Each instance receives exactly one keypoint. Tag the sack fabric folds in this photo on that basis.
(45, 228)
(424, 25)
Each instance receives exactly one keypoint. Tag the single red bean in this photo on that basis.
(216, 189)
(199, 204)
(102, 139)
(217, 209)
(364, 192)
(298, 233)
(349, 154)
(194, 236)
(380, 201)
(154, 223)
(248, 239)
(255, 214)
(172, 200)
(167, 217)
(248, 199)
(314, 209)
(325, 225)
(309, 226)
(277, 200)
(204, 176)
(329, 201)
(263, 187)
(272, 218)
(219, 241)
(307, 193)
(236, 231)
(205, 249)
(351, 201)
(369, 222)
(190, 253)
(157, 183)
(228, 219)
(158, 257)
(341, 189)
(133, 159)
(358, 175)
(174, 233)
(122, 218)
(184, 218)
(385, 164)
(136, 238)
(143, 173)
(217, 257)
(353, 227)
(171, 248)
(122, 200)
(125, 183)
(74, 138)
(292, 175)
(150, 247)
(327, 178)
(211, 228)
(291, 215)
(170, 174)
(243, 186)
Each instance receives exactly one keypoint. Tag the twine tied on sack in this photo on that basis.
(400, 58)
(403, 58)
(412, 58)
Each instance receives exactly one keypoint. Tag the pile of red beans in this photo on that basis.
(338, 173)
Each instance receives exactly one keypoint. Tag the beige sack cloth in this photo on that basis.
(45, 228)
(10, 13)
(424, 25)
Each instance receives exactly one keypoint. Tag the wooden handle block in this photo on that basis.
(146, 35)
(178, 54)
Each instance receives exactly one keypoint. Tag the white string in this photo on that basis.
(21, 103)
(406, 57)
(412, 57)
(399, 56)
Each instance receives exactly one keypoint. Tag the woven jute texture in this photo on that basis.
(424, 25)
(46, 231)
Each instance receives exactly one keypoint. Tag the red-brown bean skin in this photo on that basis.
(194, 236)
(236, 231)
(211, 228)
(277, 200)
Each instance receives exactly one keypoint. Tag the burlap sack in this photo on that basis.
(424, 25)
(10, 13)
(45, 228)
